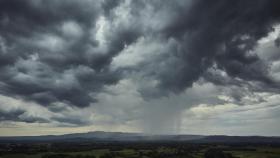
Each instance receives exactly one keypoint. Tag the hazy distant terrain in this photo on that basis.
(134, 137)
(136, 145)
(105, 136)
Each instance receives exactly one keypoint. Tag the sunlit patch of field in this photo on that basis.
(259, 153)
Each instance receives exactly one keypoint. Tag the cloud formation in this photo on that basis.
(76, 55)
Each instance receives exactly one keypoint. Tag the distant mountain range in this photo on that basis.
(98, 136)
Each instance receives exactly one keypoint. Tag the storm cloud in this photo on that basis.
(76, 53)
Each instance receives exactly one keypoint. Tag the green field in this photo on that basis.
(156, 152)
(259, 153)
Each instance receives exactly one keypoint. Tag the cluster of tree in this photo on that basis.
(24, 148)
(217, 153)
(66, 156)
(169, 155)
(150, 154)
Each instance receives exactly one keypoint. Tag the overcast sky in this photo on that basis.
(151, 66)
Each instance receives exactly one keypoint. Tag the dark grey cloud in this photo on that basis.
(18, 115)
(277, 42)
(109, 5)
(222, 33)
(66, 121)
(50, 51)
(65, 70)
(213, 35)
